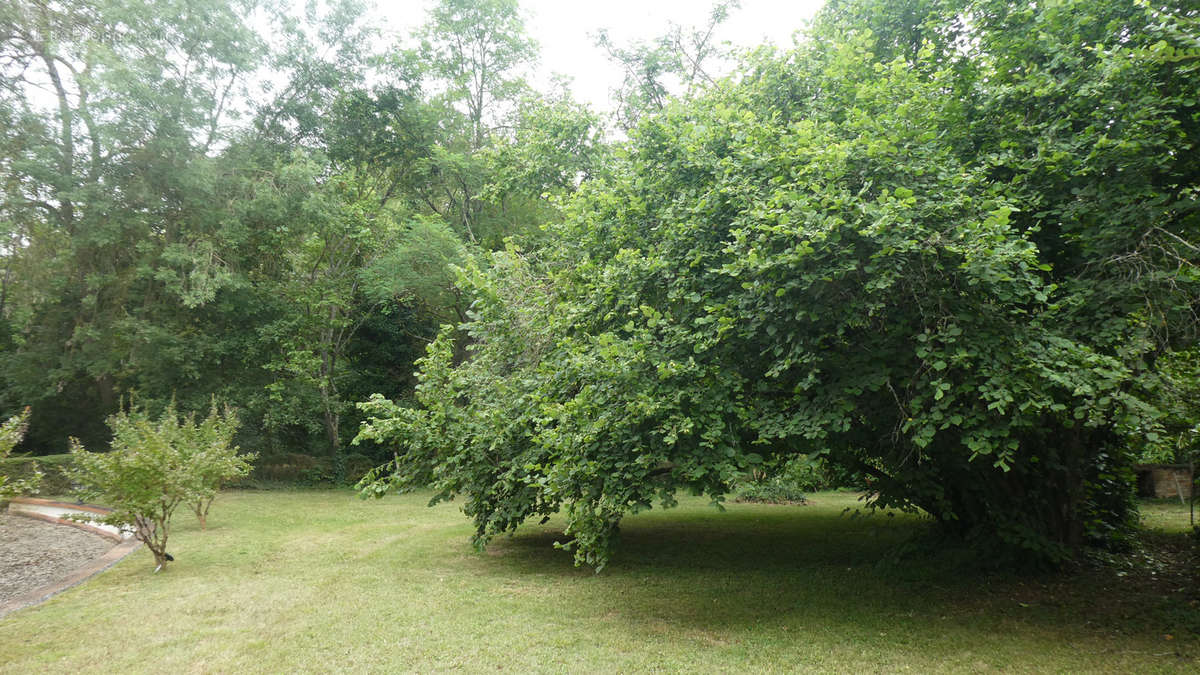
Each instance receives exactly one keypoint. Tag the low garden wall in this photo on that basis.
(1164, 481)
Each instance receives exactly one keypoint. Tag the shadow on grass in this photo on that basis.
(785, 565)
(755, 538)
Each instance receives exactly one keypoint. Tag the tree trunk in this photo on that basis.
(201, 509)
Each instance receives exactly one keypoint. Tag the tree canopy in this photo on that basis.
(257, 201)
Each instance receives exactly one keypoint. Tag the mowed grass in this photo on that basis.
(322, 581)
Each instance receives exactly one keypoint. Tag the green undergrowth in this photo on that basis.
(53, 468)
(311, 580)
(770, 492)
(289, 470)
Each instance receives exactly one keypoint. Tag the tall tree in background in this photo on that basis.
(680, 63)
(340, 236)
(165, 232)
(477, 50)
(318, 52)
(111, 109)
(475, 54)
(407, 186)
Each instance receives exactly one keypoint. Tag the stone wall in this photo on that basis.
(1164, 481)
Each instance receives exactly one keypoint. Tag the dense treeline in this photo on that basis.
(193, 208)
(944, 243)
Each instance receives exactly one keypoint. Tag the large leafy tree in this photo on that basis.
(191, 208)
(409, 184)
(857, 250)
(111, 109)
(338, 237)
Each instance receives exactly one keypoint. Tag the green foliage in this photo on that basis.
(477, 48)
(903, 250)
(680, 62)
(785, 480)
(116, 202)
(340, 236)
(11, 432)
(809, 473)
(950, 246)
(1173, 435)
(774, 490)
(418, 269)
(156, 465)
(49, 472)
(1110, 501)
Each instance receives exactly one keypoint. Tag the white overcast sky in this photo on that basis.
(564, 30)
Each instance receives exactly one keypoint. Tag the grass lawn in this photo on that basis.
(322, 581)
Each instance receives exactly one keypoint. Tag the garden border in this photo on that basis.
(126, 544)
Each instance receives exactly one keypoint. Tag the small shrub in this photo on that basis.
(154, 466)
(211, 458)
(785, 481)
(807, 472)
(771, 491)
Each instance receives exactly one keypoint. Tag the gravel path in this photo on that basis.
(34, 553)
